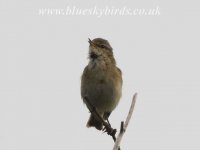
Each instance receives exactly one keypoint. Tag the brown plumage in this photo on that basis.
(101, 81)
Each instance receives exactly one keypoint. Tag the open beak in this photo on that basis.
(90, 41)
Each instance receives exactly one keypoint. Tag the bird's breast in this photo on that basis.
(102, 87)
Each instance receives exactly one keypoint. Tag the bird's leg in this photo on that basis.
(105, 117)
(108, 122)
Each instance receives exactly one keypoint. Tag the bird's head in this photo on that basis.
(99, 48)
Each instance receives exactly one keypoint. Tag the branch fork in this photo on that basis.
(107, 127)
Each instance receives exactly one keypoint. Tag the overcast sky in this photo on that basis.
(42, 58)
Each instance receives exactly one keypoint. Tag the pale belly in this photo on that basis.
(104, 96)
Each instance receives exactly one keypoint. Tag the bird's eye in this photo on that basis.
(102, 46)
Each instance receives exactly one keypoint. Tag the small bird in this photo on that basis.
(101, 81)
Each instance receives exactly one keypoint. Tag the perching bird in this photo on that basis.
(101, 81)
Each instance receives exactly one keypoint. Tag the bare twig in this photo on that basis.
(108, 129)
(124, 126)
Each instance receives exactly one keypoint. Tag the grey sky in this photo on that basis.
(42, 58)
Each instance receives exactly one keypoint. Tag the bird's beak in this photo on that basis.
(90, 41)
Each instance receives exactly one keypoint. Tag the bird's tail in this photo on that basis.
(93, 122)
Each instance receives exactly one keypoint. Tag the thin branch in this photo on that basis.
(108, 129)
(124, 126)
